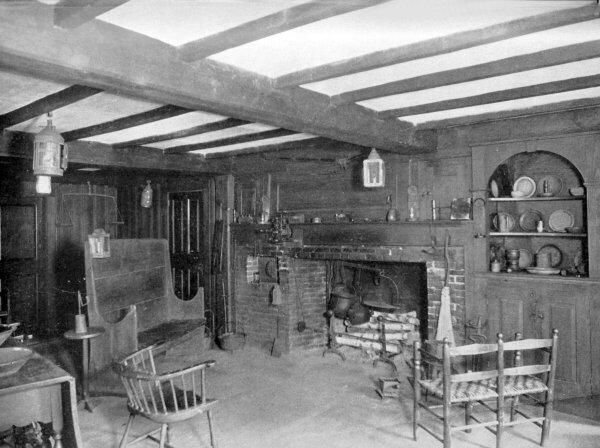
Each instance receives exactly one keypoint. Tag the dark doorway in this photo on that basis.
(186, 242)
(19, 277)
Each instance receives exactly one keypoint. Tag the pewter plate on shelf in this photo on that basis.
(559, 220)
(554, 185)
(543, 271)
(525, 185)
(528, 220)
(554, 252)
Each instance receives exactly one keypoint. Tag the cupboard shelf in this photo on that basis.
(540, 234)
(538, 199)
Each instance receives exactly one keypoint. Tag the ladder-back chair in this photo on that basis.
(469, 388)
(163, 397)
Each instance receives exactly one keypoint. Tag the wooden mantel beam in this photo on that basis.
(119, 61)
(441, 45)
(275, 23)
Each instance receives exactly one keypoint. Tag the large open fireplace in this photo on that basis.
(413, 276)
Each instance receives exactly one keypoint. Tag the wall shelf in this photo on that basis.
(539, 234)
(538, 198)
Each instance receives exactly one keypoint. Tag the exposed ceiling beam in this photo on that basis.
(195, 130)
(73, 13)
(105, 56)
(546, 88)
(47, 104)
(20, 145)
(440, 45)
(515, 64)
(552, 108)
(275, 23)
(160, 113)
(273, 133)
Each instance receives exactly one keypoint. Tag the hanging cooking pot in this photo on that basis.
(341, 304)
(358, 314)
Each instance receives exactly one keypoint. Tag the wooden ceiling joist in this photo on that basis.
(296, 144)
(109, 57)
(440, 45)
(275, 23)
(515, 64)
(20, 144)
(47, 104)
(195, 130)
(273, 133)
(73, 13)
(547, 88)
(160, 113)
(552, 108)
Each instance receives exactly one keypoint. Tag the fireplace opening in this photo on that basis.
(402, 285)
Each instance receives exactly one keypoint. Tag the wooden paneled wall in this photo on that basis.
(326, 187)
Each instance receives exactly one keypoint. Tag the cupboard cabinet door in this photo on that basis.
(568, 312)
(534, 308)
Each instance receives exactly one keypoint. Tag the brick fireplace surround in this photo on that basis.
(302, 277)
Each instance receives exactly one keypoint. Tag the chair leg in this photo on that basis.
(446, 415)
(468, 412)
(163, 435)
(127, 428)
(548, 409)
(210, 429)
(514, 403)
(416, 410)
(500, 418)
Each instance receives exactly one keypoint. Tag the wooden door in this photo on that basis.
(568, 310)
(534, 308)
(187, 242)
(19, 254)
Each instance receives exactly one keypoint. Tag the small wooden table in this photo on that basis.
(55, 389)
(85, 337)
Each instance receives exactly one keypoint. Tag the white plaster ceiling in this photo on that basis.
(391, 24)
(529, 43)
(92, 110)
(384, 26)
(255, 144)
(167, 125)
(514, 105)
(18, 91)
(216, 135)
(493, 84)
(177, 22)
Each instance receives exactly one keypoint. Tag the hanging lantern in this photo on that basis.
(99, 244)
(147, 193)
(373, 170)
(49, 156)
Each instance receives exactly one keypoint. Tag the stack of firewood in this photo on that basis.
(400, 329)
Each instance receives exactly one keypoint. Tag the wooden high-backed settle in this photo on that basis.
(131, 295)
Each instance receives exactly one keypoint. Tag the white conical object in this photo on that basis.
(444, 325)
